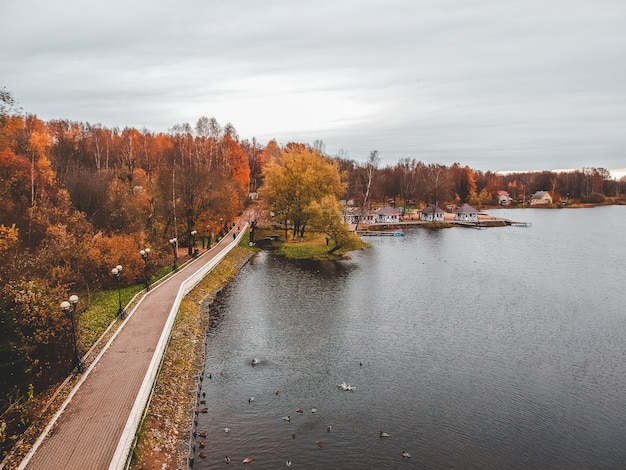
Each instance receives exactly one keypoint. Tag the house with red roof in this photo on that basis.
(503, 198)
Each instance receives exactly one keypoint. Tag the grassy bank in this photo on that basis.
(164, 435)
(312, 246)
(102, 311)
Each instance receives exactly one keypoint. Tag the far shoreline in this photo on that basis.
(484, 220)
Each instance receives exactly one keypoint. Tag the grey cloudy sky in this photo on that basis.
(497, 85)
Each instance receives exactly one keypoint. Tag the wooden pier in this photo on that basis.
(391, 228)
(379, 233)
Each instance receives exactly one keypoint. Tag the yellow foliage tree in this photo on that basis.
(8, 239)
(326, 218)
(296, 181)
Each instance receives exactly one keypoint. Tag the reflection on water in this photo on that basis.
(497, 348)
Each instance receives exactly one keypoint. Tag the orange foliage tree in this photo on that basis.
(78, 199)
(237, 162)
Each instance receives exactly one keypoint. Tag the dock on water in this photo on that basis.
(379, 233)
(393, 228)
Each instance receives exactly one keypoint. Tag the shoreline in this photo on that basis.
(165, 434)
(484, 220)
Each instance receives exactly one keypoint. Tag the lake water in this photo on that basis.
(473, 349)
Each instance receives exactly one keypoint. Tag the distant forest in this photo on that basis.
(80, 198)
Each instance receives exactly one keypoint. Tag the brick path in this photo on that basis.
(87, 433)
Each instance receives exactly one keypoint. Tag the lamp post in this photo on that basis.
(69, 307)
(192, 243)
(174, 243)
(144, 256)
(116, 271)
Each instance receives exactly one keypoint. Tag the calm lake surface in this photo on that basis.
(502, 348)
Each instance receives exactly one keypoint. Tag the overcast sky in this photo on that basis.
(497, 85)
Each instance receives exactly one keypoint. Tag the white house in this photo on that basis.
(504, 199)
(540, 197)
(387, 214)
(433, 214)
(353, 215)
(466, 213)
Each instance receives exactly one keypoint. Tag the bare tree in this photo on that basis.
(370, 169)
(436, 177)
(410, 172)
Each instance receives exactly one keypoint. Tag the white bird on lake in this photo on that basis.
(314, 410)
(406, 455)
(383, 434)
(346, 387)
(287, 418)
(226, 429)
(254, 361)
(288, 463)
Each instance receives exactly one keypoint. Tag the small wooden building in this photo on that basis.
(387, 214)
(353, 215)
(466, 213)
(433, 213)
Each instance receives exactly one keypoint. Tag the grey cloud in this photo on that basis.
(522, 84)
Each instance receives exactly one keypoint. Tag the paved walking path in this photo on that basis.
(96, 428)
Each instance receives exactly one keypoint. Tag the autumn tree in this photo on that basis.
(468, 184)
(255, 162)
(492, 182)
(128, 155)
(203, 181)
(14, 189)
(43, 328)
(238, 168)
(326, 218)
(270, 153)
(298, 180)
